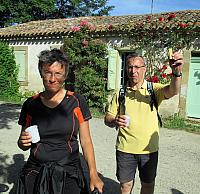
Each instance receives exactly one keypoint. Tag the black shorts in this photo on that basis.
(127, 164)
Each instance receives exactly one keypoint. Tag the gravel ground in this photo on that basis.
(179, 158)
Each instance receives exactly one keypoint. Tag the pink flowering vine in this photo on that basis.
(75, 29)
(83, 23)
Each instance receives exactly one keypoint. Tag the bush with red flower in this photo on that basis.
(160, 75)
(88, 63)
(155, 34)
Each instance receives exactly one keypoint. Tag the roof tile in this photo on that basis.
(63, 26)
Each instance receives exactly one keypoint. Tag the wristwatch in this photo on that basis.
(177, 74)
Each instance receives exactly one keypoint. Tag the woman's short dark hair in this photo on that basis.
(51, 56)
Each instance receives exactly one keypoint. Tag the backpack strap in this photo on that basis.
(153, 102)
(122, 99)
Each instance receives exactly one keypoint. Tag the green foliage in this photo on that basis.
(26, 94)
(160, 75)
(88, 57)
(176, 122)
(17, 11)
(22, 11)
(156, 34)
(96, 113)
(77, 8)
(9, 86)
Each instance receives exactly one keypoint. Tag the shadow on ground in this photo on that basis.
(175, 191)
(8, 113)
(3, 173)
(10, 172)
(110, 186)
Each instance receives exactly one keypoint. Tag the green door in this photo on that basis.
(193, 93)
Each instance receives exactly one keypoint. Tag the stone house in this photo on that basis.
(28, 39)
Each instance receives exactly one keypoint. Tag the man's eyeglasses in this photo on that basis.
(50, 74)
(136, 67)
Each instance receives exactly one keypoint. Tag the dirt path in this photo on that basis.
(179, 159)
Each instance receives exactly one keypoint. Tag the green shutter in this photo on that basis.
(193, 93)
(114, 70)
(21, 61)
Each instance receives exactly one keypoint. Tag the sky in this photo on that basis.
(132, 7)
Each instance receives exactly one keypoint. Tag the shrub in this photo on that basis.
(9, 86)
(88, 59)
(160, 75)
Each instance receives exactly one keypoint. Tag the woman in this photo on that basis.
(54, 164)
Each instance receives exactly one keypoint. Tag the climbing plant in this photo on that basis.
(155, 34)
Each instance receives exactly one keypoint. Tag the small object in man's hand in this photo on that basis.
(127, 119)
(170, 52)
(172, 61)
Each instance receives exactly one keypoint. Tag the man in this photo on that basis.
(137, 143)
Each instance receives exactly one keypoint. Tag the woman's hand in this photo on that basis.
(88, 152)
(24, 141)
(96, 183)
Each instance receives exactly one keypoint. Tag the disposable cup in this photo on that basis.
(33, 130)
(127, 119)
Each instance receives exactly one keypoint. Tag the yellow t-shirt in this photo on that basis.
(142, 134)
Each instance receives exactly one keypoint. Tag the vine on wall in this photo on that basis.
(155, 35)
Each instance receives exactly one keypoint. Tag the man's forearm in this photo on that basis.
(173, 88)
(175, 84)
(110, 121)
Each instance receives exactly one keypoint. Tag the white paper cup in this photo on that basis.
(33, 130)
(127, 119)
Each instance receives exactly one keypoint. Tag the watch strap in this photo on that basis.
(177, 74)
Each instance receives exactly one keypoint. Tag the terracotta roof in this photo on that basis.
(59, 27)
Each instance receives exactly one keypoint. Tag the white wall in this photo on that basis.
(34, 48)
